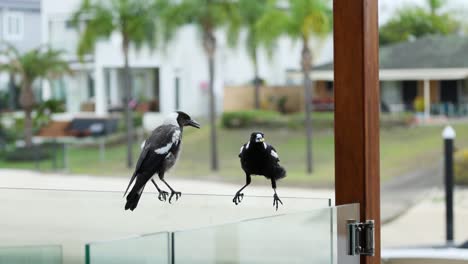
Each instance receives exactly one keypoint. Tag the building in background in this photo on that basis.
(19, 26)
(433, 70)
(174, 79)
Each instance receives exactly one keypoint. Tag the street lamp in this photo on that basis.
(449, 136)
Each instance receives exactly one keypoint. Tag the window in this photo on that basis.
(13, 26)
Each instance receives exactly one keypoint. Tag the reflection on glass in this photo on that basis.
(75, 218)
(317, 236)
(152, 248)
(31, 255)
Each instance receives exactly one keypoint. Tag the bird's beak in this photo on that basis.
(193, 123)
(262, 139)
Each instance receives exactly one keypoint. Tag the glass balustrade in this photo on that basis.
(93, 227)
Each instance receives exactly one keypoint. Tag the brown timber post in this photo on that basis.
(357, 109)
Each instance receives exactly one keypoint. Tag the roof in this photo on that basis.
(432, 58)
(425, 53)
(34, 5)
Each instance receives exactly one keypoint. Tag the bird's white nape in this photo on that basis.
(171, 119)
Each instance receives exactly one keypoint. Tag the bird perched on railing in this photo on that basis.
(159, 153)
(259, 158)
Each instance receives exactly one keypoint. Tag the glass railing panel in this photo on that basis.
(145, 249)
(31, 255)
(340, 216)
(74, 218)
(315, 236)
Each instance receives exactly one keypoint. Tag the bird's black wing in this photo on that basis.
(272, 151)
(155, 149)
(242, 150)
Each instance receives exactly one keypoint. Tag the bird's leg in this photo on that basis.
(276, 199)
(173, 192)
(162, 194)
(239, 196)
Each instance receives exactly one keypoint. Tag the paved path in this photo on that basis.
(400, 193)
(424, 223)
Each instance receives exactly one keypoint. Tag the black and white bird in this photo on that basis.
(159, 153)
(259, 158)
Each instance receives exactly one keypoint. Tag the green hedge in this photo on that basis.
(320, 120)
(244, 119)
(42, 152)
(272, 119)
(461, 167)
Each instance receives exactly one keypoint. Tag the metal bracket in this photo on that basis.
(361, 238)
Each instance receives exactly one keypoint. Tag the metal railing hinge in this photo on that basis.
(361, 238)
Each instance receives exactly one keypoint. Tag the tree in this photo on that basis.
(416, 21)
(136, 23)
(207, 16)
(250, 13)
(42, 62)
(301, 20)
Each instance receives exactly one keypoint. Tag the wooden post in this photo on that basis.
(357, 110)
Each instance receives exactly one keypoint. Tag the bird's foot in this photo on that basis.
(238, 198)
(276, 201)
(176, 194)
(163, 196)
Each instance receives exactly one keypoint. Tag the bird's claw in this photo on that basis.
(163, 196)
(238, 198)
(177, 196)
(276, 201)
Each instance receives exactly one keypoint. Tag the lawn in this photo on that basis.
(402, 150)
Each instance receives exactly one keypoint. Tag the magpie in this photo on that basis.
(259, 158)
(159, 153)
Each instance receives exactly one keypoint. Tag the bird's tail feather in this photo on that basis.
(134, 196)
(280, 173)
(130, 183)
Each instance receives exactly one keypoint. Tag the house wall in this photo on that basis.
(242, 97)
(31, 37)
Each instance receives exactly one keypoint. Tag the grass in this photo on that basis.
(402, 150)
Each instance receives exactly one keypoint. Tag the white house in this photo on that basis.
(175, 79)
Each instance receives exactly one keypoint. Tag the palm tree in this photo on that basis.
(207, 16)
(42, 62)
(251, 12)
(301, 20)
(134, 20)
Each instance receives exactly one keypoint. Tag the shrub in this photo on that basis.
(461, 167)
(46, 109)
(253, 118)
(42, 152)
(418, 104)
(272, 119)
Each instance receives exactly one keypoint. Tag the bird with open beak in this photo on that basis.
(159, 153)
(259, 158)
